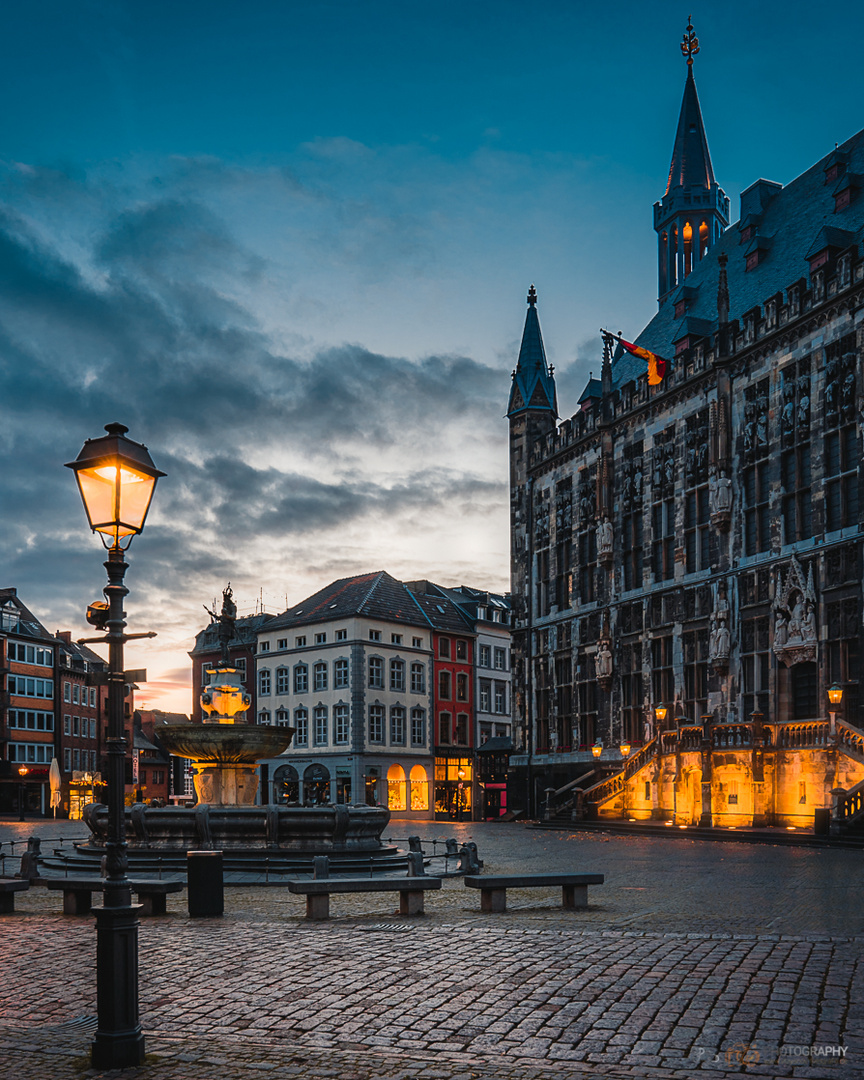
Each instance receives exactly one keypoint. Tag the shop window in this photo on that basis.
(396, 788)
(419, 788)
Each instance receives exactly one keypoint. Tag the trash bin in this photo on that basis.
(205, 887)
(822, 821)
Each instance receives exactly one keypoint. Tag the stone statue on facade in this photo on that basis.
(720, 499)
(795, 631)
(603, 662)
(605, 539)
(721, 643)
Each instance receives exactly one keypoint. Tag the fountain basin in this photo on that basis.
(225, 744)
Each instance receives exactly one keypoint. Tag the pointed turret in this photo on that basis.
(694, 210)
(533, 381)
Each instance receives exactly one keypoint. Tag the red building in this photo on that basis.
(453, 642)
(241, 651)
(80, 739)
(27, 707)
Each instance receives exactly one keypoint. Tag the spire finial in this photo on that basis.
(532, 296)
(689, 43)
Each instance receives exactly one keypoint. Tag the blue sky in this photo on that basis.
(289, 245)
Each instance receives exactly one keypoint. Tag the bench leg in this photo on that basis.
(76, 902)
(7, 903)
(493, 899)
(574, 896)
(410, 902)
(318, 906)
(153, 903)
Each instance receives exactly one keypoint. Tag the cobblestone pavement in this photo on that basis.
(690, 957)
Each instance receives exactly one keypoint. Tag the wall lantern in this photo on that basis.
(597, 749)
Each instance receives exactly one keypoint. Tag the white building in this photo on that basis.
(350, 669)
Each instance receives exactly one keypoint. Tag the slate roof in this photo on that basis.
(376, 596)
(799, 219)
(443, 614)
(691, 162)
(28, 624)
(533, 385)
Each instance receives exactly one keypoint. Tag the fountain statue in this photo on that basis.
(224, 750)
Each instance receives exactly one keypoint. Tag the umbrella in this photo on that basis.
(54, 781)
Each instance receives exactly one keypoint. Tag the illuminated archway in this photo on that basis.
(396, 788)
(419, 788)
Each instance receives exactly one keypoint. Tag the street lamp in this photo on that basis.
(625, 750)
(835, 696)
(116, 478)
(22, 772)
(597, 749)
(660, 713)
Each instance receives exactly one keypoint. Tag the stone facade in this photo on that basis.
(696, 544)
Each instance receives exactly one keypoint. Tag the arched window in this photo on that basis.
(418, 679)
(283, 717)
(264, 716)
(703, 239)
(444, 685)
(320, 676)
(688, 248)
(316, 785)
(397, 675)
(320, 716)
(418, 727)
(397, 725)
(419, 788)
(301, 727)
(396, 788)
(263, 683)
(301, 679)
(340, 724)
(285, 784)
(283, 681)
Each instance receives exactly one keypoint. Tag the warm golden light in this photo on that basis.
(116, 478)
(835, 694)
(625, 749)
(660, 713)
(23, 770)
(597, 749)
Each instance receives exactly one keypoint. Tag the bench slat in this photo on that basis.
(530, 881)
(350, 885)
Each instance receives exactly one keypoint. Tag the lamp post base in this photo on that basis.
(119, 1041)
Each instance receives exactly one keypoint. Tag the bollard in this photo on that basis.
(30, 860)
(205, 886)
(320, 867)
(414, 843)
(468, 861)
(415, 864)
(452, 848)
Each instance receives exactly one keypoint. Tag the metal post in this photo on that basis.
(119, 1041)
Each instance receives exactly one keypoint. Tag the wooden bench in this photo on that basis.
(154, 895)
(78, 894)
(8, 888)
(318, 892)
(493, 888)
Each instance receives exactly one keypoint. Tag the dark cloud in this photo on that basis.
(269, 455)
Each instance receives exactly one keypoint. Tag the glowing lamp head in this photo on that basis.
(23, 770)
(625, 749)
(116, 478)
(660, 713)
(835, 694)
(597, 749)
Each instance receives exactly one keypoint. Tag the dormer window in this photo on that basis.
(842, 199)
(681, 308)
(746, 234)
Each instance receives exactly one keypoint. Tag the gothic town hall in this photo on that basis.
(687, 552)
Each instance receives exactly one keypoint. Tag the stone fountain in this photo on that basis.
(224, 750)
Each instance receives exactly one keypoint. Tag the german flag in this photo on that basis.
(656, 364)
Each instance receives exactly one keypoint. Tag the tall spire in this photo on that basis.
(533, 380)
(694, 211)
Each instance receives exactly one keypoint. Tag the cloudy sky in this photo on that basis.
(288, 244)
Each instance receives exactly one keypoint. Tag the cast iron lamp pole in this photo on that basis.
(116, 478)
